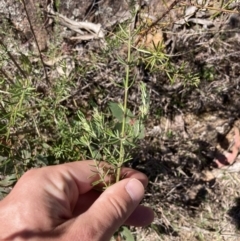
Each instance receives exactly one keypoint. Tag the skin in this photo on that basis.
(229, 157)
(59, 203)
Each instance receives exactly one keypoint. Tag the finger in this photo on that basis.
(141, 216)
(85, 201)
(63, 181)
(82, 172)
(109, 211)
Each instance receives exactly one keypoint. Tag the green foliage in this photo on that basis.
(40, 123)
(102, 134)
(124, 234)
(208, 73)
(183, 75)
(39, 126)
(57, 4)
(153, 58)
(112, 136)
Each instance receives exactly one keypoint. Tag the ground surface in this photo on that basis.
(194, 100)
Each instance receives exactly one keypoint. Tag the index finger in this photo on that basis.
(82, 172)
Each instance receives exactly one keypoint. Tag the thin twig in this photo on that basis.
(210, 8)
(158, 19)
(36, 41)
(172, 5)
(126, 89)
(6, 76)
(13, 59)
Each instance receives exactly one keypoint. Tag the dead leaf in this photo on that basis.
(153, 39)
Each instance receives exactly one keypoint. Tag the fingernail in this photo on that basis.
(135, 190)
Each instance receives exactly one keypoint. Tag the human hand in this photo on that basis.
(59, 203)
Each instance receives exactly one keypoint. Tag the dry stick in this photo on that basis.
(210, 8)
(6, 76)
(36, 41)
(13, 59)
(164, 14)
(159, 19)
(172, 6)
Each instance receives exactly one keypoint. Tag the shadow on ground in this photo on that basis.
(234, 213)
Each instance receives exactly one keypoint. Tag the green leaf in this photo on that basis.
(139, 131)
(129, 114)
(8, 181)
(126, 234)
(116, 110)
(121, 61)
(118, 127)
(46, 146)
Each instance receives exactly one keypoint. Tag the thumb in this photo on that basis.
(111, 210)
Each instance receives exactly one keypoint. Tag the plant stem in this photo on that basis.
(126, 88)
(36, 41)
(13, 59)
